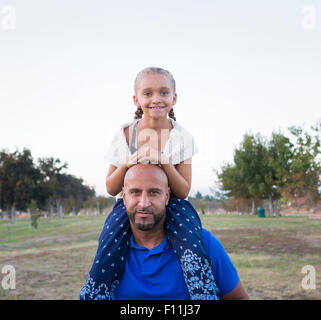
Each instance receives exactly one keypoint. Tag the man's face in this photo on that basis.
(146, 195)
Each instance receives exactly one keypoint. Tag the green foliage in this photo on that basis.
(247, 177)
(23, 183)
(34, 213)
(99, 203)
(198, 195)
(275, 168)
(18, 179)
(303, 179)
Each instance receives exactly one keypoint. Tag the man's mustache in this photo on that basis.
(150, 211)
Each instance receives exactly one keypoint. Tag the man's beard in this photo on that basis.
(146, 224)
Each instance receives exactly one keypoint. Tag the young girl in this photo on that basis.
(152, 138)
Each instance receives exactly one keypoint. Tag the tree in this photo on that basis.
(21, 182)
(203, 204)
(249, 159)
(278, 165)
(71, 187)
(104, 203)
(34, 213)
(302, 177)
(275, 168)
(50, 193)
(198, 195)
(245, 178)
(61, 189)
(18, 178)
(250, 177)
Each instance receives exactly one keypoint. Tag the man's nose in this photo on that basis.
(144, 201)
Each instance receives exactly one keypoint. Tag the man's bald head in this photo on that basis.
(151, 172)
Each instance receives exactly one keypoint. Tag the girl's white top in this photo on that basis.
(180, 146)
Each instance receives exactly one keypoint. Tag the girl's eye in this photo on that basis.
(148, 94)
(164, 93)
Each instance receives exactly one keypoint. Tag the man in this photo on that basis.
(152, 269)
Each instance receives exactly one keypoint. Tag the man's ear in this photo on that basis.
(123, 191)
(168, 195)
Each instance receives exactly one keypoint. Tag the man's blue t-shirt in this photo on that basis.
(157, 274)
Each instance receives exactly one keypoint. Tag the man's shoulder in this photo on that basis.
(211, 243)
(208, 236)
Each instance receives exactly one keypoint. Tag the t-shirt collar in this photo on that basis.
(158, 249)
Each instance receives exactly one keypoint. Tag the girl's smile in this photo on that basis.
(156, 108)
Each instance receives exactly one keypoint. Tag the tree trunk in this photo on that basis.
(270, 206)
(13, 214)
(253, 206)
(98, 207)
(51, 210)
(61, 214)
(30, 222)
(237, 206)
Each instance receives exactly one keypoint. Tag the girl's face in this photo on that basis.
(155, 95)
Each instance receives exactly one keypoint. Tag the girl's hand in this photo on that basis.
(149, 155)
(132, 160)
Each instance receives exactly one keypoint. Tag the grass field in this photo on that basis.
(52, 262)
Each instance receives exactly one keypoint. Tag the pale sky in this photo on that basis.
(67, 70)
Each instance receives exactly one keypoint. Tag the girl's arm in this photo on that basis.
(115, 175)
(115, 179)
(179, 178)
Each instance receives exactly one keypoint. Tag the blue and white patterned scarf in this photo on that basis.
(184, 231)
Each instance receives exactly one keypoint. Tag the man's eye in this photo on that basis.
(134, 191)
(154, 192)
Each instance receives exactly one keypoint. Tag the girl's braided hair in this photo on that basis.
(153, 70)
